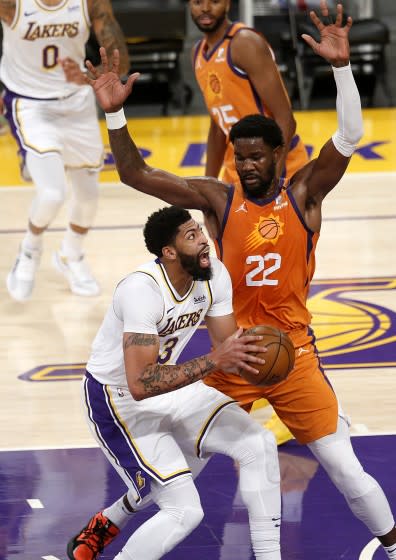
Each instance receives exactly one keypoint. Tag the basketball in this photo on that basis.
(279, 358)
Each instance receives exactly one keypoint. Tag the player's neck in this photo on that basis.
(214, 37)
(180, 280)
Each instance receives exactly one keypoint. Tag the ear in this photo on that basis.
(169, 252)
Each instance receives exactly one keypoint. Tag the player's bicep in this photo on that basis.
(326, 171)
(140, 351)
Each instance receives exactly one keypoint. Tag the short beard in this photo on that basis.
(192, 266)
(215, 26)
(264, 185)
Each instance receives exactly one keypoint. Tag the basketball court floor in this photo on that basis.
(53, 477)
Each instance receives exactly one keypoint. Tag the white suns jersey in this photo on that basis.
(146, 302)
(38, 37)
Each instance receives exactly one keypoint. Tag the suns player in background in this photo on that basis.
(266, 236)
(151, 443)
(237, 73)
(52, 116)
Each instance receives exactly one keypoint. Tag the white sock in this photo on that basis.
(391, 551)
(119, 513)
(32, 242)
(72, 244)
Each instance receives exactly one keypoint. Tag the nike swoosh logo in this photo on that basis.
(170, 309)
(28, 14)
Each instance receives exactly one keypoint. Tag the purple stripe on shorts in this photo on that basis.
(112, 434)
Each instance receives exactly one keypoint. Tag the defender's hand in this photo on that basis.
(334, 43)
(110, 92)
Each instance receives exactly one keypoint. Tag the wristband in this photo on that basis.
(116, 120)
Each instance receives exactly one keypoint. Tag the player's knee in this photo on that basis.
(349, 476)
(51, 197)
(187, 517)
(260, 448)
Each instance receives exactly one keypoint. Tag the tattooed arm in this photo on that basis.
(147, 378)
(107, 30)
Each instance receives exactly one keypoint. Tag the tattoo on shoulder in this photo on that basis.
(139, 339)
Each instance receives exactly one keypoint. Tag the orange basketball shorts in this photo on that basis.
(305, 401)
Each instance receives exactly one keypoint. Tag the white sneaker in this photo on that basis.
(78, 275)
(20, 281)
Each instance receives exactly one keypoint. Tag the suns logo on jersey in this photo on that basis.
(267, 230)
(140, 480)
(214, 85)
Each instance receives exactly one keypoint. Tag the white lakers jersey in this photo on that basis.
(146, 302)
(38, 37)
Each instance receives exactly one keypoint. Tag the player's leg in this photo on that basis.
(48, 175)
(83, 156)
(236, 434)
(70, 259)
(307, 403)
(180, 513)
(364, 495)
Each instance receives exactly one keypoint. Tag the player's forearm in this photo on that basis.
(349, 113)
(126, 155)
(158, 379)
(215, 150)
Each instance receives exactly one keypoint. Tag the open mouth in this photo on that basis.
(204, 258)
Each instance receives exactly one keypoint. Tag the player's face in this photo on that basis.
(193, 250)
(209, 15)
(255, 164)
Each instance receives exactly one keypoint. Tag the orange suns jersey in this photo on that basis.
(230, 95)
(270, 254)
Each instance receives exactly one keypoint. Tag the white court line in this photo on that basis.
(34, 503)
(50, 558)
(368, 551)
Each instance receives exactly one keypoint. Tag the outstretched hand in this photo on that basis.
(334, 43)
(110, 92)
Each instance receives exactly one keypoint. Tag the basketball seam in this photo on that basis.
(276, 357)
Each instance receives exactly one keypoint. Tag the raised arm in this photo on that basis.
(325, 172)
(251, 53)
(201, 193)
(107, 31)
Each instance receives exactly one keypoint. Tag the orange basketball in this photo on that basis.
(279, 358)
(268, 228)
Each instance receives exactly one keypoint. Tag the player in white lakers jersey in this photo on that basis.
(153, 418)
(52, 115)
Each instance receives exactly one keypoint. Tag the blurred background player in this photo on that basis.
(52, 115)
(237, 73)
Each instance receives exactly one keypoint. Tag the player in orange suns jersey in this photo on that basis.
(237, 73)
(266, 236)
